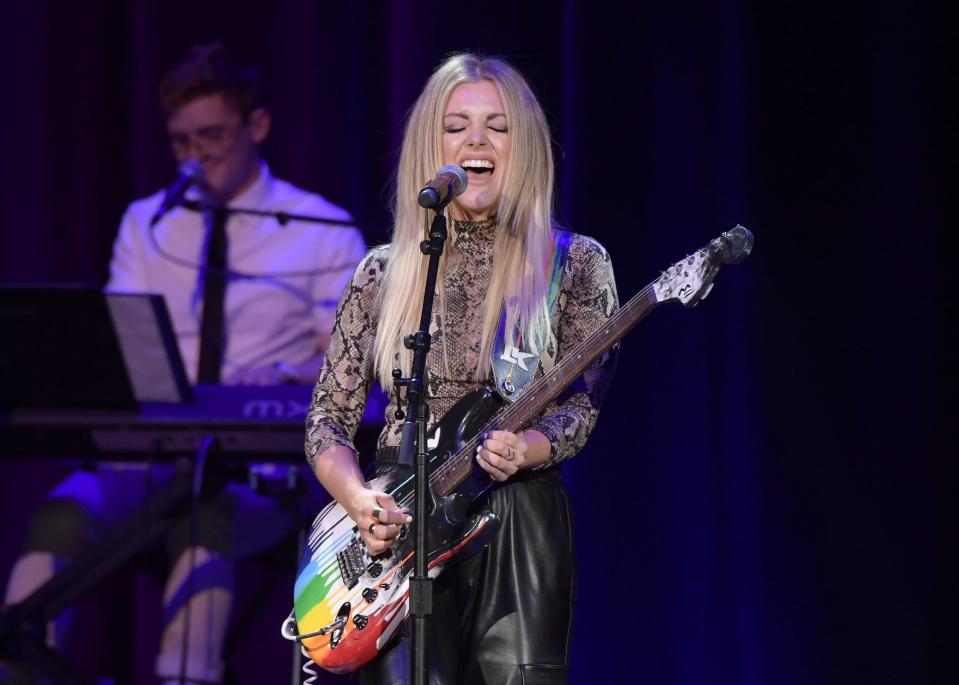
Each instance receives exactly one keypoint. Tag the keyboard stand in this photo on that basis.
(23, 625)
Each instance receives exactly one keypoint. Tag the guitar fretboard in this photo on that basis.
(542, 391)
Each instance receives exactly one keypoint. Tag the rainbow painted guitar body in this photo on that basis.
(348, 604)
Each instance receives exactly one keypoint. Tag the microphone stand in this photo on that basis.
(282, 218)
(414, 438)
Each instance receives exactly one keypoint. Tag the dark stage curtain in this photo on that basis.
(763, 500)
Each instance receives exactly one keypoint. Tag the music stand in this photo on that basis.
(149, 347)
(75, 347)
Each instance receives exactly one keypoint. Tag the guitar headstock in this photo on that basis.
(690, 280)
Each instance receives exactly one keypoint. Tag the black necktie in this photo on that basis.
(214, 289)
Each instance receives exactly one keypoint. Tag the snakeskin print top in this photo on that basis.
(587, 297)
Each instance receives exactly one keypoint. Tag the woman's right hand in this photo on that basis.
(378, 518)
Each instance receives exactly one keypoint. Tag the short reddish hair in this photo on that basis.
(206, 71)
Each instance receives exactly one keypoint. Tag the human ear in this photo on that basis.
(259, 123)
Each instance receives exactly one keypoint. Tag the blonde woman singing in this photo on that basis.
(509, 280)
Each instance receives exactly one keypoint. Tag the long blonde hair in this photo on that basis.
(523, 241)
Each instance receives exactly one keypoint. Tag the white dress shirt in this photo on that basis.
(284, 284)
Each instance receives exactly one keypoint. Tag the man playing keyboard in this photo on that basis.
(251, 301)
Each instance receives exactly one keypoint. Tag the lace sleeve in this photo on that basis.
(588, 298)
(339, 396)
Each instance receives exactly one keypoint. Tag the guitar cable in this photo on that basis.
(307, 667)
(288, 631)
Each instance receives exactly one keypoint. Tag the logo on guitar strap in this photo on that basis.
(514, 355)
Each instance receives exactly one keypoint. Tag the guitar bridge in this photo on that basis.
(352, 563)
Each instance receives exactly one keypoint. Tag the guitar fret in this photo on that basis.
(538, 393)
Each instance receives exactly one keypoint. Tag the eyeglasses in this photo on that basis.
(207, 139)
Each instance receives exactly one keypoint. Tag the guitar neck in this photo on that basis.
(542, 391)
(687, 281)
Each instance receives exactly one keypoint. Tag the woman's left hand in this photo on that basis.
(501, 454)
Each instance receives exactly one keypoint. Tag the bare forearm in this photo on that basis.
(308, 371)
(279, 372)
(339, 472)
(538, 448)
(377, 518)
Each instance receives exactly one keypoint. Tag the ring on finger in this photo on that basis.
(511, 453)
(372, 528)
(376, 513)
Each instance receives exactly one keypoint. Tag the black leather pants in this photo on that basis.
(504, 615)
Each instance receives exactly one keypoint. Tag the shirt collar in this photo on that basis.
(257, 194)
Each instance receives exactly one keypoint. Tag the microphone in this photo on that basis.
(188, 173)
(449, 182)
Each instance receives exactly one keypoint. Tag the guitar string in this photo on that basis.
(509, 415)
(458, 461)
(622, 316)
(618, 322)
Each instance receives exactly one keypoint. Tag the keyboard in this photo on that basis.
(248, 422)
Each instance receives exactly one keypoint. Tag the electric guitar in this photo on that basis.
(348, 604)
